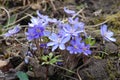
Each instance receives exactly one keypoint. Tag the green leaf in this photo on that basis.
(22, 75)
(50, 59)
(11, 20)
(57, 56)
(50, 55)
(44, 58)
(90, 41)
(55, 60)
(45, 39)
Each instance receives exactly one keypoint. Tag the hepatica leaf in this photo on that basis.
(22, 76)
(90, 41)
(11, 20)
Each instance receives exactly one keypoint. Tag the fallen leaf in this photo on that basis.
(36, 6)
(3, 63)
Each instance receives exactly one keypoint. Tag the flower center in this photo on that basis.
(38, 30)
(71, 31)
(75, 46)
(59, 40)
(32, 34)
(84, 48)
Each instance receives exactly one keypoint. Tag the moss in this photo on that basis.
(98, 20)
(112, 77)
(112, 72)
(117, 74)
(114, 19)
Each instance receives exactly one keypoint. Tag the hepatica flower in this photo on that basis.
(42, 16)
(57, 41)
(85, 48)
(71, 30)
(34, 21)
(43, 45)
(13, 31)
(80, 25)
(75, 21)
(35, 32)
(46, 18)
(71, 12)
(107, 34)
(37, 21)
(78, 47)
(74, 47)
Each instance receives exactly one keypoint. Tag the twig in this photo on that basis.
(20, 42)
(14, 10)
(23, 11)
(51, 1)
(7, 14)
(68, 71)
(19, 66)
(98, 24)
(79, 76)
(77, 13)
(70, 77)
(45, 5)
(16, 22)
(64, 69)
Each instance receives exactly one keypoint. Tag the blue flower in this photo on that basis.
(75, 46)
(71, 30)
(107, 34)
(57, 41)
(69, 11)
(34, 21)
(78, 47)
(46, 18)
(85, 49)
(13, 31)
(37, 21)
(30, 34)
(75, 22)
(42, 16)
(35, 32)
(43, 45)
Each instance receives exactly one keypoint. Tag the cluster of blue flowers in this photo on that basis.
(68, 36)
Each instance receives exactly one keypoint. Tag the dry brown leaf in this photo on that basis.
(36, 6)
(3, 63)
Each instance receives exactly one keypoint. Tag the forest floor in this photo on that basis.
(102, 64)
